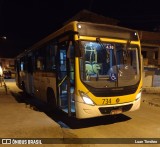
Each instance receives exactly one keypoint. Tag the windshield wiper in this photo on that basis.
(100, 42)
(114, 52)
(103, 47)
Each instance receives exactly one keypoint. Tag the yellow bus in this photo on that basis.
(84, 69)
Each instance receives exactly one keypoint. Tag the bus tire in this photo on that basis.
(51, 101)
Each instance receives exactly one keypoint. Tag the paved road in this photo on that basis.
(143, 123)
(18, 119)
(38, 121)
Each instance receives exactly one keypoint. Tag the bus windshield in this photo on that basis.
(105, 64)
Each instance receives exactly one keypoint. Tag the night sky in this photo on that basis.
(25, 22)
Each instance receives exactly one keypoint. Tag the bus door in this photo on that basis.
(65, 78)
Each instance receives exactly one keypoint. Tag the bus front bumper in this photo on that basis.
(88, 111)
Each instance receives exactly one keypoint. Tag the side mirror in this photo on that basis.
(74, 50)
(128, 45)
(78, 49)
(70, 51)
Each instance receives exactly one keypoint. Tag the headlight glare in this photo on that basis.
(85, 98)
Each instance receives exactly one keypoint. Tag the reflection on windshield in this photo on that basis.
(109, 65)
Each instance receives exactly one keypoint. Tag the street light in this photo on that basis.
(3, 37)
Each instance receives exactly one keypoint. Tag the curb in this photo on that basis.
(151, 90)
(151, 103)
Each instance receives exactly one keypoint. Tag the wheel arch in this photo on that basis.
(50, 94)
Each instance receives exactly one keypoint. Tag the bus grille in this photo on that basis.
(108, 110)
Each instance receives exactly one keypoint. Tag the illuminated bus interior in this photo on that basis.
(107, 65)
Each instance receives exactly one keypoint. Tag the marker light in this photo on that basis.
(79, 26)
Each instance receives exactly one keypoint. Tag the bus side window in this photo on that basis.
(22, 64)
(50, 57)
(40, 60)
(30, 64)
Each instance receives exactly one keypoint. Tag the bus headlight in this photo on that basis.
(86, 98)
(138, 95)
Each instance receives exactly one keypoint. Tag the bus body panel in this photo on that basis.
(43, 81)
(89, 111)
(38, 82)
(125, 102)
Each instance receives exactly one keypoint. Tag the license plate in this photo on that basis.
(116, 111)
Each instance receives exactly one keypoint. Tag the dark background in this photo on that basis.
(25, 22)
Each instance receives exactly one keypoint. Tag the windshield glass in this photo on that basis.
(106, 65)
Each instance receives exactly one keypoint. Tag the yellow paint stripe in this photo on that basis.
(106, 39)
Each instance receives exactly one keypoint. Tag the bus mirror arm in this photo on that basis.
(69, 49)
(128, 45)
(74, 51)
(78, 49)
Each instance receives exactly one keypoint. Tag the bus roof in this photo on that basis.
(88, 29)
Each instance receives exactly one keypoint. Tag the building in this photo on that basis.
(89, 16)
(150, 44)
(7, 64)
